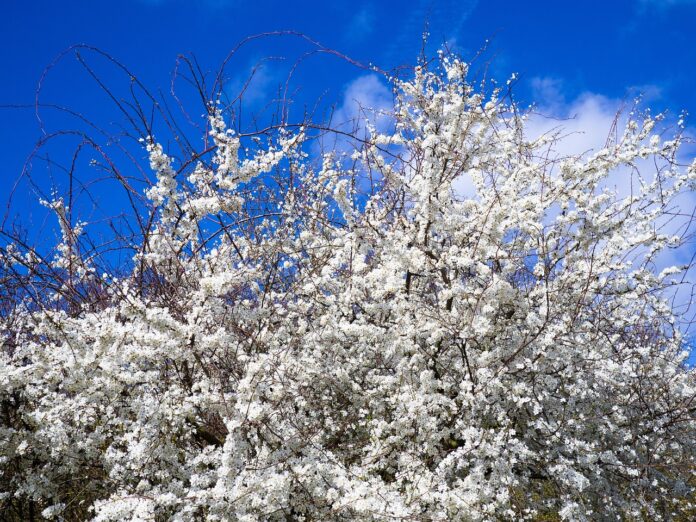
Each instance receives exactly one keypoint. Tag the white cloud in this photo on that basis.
(365, 98)
(660, 8)
(585, 124)
(361, 24)
(209, 4)
(444, 20)
(661, 4)
(256, 85)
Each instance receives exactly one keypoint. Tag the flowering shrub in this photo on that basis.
(346, 336)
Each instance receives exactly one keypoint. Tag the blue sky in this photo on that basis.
(604, 47)
(574, 59)
(562, 50)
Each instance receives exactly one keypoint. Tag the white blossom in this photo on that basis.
(337, 352)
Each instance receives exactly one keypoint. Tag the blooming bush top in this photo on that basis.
(353, 339)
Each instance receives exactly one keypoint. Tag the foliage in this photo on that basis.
(344, 335)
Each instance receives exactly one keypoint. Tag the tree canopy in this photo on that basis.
(432, 316)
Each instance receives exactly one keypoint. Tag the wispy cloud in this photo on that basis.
(254, 85)
(208, 4)
(666, 3)
(443, 19)
(365, 99)
(585, 123)
(661, 6)
(361, 24)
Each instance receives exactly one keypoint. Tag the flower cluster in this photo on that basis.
(362, 342)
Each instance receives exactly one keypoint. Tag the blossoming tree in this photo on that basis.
(312, 334)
